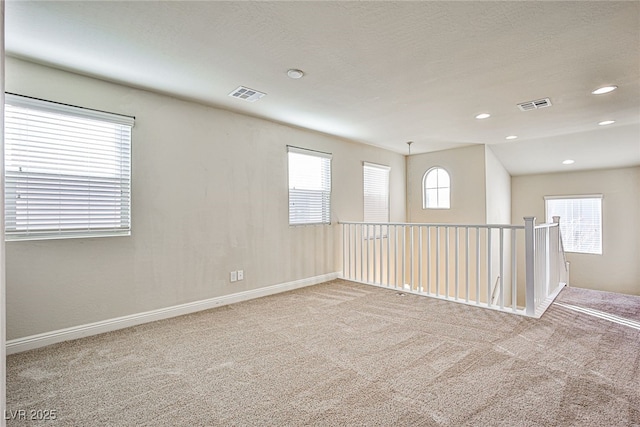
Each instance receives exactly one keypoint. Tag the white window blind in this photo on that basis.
(376, 192)
(436, 189)
(67, 171)
(580, 221)
(309, 186)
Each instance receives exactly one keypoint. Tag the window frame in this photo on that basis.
(53, 169)
(425, 199)
(564, 222)
(322, 198)
(386, 171)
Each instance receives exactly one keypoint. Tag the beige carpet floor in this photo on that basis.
(345, 354)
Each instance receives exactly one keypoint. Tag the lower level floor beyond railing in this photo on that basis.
(514, 268)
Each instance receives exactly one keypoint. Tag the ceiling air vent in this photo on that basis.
(250, 95)
(534, 105)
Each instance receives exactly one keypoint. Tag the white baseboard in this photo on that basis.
(47, 338)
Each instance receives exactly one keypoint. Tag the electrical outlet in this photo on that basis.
(240, 274)
(234, 276)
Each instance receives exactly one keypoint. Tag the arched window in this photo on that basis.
(436, 189)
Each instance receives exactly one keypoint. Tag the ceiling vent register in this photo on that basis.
(535, 105)
(249, 95)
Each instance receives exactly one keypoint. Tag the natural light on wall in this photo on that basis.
(580, 221)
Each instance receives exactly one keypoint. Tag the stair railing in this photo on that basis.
(514, 268)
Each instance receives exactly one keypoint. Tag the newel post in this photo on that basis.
(529, 256)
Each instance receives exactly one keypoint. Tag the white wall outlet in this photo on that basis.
(234, 276)
(240, 274)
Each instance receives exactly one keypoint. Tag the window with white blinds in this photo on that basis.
(436, 187)
(580, 221)
(376, 192)
(309, 186)
(67, 171)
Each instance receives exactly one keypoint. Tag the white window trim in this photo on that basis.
(72, 110)
(576, 196)
(309, 152)
(424, 189)
(326, 213)
(579, 196)
(14, 179)
(386, 169)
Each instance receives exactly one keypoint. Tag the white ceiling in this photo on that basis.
(380, 73)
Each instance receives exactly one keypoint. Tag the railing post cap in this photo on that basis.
(529, 218)
(556, 219)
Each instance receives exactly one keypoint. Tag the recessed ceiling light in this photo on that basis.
(568, 162)
(483, 116)
(511, 137)
(295, 74)
(604, 89)
(607, 122)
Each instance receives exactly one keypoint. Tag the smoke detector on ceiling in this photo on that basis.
(295, 74)
(534, 105)
(249, 95)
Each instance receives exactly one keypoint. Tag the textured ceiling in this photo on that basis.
(381, 73)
